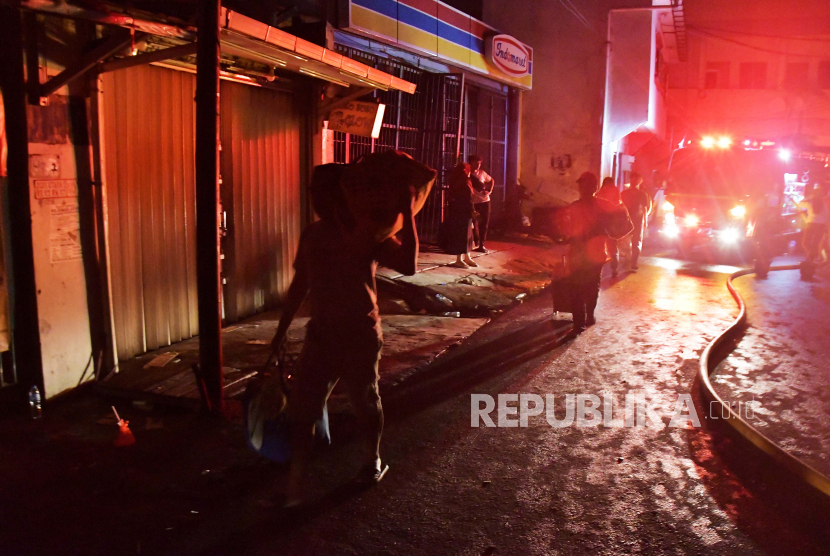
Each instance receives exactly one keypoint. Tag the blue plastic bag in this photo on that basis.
(268, 434)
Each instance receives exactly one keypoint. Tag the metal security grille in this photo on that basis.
(400, 126)
(485, 133)
(424, 125)
(440, 107)
(435, 127)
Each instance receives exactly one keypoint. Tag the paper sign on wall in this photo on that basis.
(64, 232)
(55, 189)
(358, 118)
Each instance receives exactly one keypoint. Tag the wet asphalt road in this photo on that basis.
(782, 363)
(454, 489)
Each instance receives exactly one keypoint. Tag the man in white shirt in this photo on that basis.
(482, 188)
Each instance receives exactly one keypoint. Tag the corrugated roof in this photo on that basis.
(247, 37)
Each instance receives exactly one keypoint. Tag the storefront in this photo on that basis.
(119, 266)
(467, 76)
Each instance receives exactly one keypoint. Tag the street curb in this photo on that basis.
(799, 468)
(445, 376)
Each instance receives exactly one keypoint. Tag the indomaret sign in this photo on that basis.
(508, 55)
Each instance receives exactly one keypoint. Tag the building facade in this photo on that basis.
(758, 70)
(112, 177)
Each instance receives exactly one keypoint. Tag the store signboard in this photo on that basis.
(442, 32)
(508, 55)
(358, 118)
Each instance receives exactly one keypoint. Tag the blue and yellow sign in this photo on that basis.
(435, 29)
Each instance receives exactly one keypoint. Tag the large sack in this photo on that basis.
(379, 185)
(327, 196)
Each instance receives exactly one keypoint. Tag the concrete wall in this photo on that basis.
(59, 270)
(562, 115)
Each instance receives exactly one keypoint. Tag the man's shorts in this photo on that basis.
(322, 363)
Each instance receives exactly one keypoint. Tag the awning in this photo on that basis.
(248, 38)
(241, 37)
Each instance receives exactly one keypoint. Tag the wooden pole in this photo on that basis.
(207, 202)
(26, 330)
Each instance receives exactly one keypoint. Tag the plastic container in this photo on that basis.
(35, 407)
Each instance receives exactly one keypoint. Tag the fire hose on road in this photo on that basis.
(802, 470)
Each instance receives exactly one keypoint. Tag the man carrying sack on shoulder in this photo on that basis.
(587, 224)
(366, 215)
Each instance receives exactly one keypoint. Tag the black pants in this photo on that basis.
(614, 252)
(482, 223)
(585, 293)
(637, 238)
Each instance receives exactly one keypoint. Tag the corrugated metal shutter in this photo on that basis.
(149, 127)
(149, 139)
(260, 194)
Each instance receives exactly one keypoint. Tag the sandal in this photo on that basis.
(371, 475)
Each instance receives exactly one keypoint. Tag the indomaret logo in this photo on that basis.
(509, 55)
(589, 410)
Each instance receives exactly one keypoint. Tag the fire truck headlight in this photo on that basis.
(691, 220)
(670, 228)
(730, 235)
(707, 142)
(738, 211)
(724, 142)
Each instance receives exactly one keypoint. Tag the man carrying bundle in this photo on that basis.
(361, 208)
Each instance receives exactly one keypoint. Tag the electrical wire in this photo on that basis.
(577, 15)
(752, 46)
(746, 33)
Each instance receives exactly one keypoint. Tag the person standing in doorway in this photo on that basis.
(639, 206)
(482, 188)
(457, 222)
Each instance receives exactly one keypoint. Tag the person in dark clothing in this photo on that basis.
(588, 222)
(609, 192)
(458, 221)
(482, 188)
(765, 213)
(816, 219)
(335, 270)
(639, 206)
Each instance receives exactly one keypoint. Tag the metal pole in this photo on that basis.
(511, 181)
(26, 331)
(460, 122)
(207, 202)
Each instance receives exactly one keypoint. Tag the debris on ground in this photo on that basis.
(161, 360)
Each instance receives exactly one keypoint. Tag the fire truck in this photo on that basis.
(717, 192)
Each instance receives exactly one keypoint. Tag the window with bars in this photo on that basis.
(485, 132)
(400, 127)
(426, 126)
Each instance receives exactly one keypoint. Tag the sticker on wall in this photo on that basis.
(64, 233)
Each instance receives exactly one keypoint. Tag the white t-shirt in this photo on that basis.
(483, 177)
